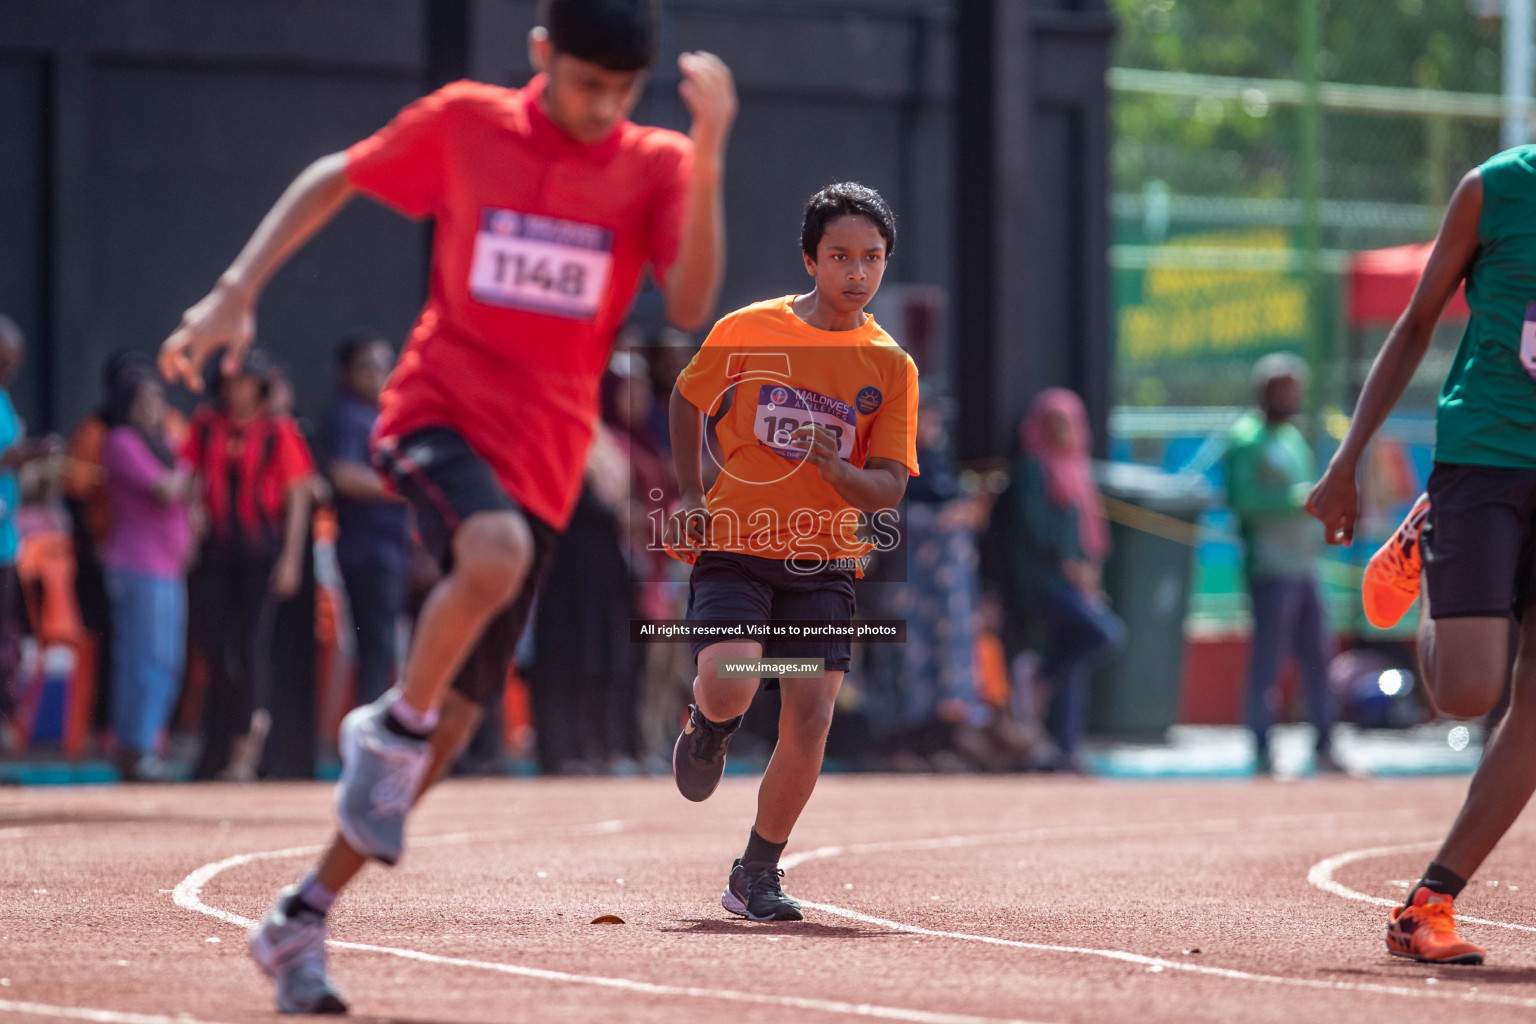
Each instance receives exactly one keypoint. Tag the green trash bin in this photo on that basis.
(1147, 577)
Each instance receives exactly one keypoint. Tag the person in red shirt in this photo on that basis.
(251, 468)
(547, 204)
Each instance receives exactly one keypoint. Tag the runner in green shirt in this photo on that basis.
(1478, 547)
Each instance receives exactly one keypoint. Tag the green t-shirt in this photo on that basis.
(1487, 411)
(1270, 470)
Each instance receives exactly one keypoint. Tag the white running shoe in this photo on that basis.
(291, 951)
(381, 772)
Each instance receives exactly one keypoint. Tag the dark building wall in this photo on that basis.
(1032, 212)
(145, 138)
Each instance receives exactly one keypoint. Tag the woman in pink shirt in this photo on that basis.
(146, 563)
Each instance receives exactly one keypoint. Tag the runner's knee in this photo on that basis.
(491, 554)
(806, 721)
(1467, 664)
(1467, 687)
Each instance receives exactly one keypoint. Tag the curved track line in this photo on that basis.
(99, 1016)
(1153, 963)
(1321, 875)
(1210, 825)
(188, 895)
(1150, 962)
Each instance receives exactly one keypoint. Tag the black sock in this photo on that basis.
(1441, 879)
(729, 725)
(761, 851)
(399, 728)
(296, 904)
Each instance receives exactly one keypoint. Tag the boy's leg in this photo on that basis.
(1477, 565)
(457, 724)
(722, 697)
(804, 718)
(469, 626)
(754, 890)
(1506, 776)
(1464, 661)
(719, 702)
(723, 588)
(492, 552)
(385, 746)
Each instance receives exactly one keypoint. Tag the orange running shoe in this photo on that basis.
(1392, 575)
(1426, 931)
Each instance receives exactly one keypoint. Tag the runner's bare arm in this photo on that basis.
(693, 283)
(686, 423)
(226, 317)
(359, 482)
(1335, 500)
(288, 571)
(880, 484)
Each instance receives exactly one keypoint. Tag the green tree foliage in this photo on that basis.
(1247, 148)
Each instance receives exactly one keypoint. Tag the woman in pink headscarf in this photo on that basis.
(1054, 541)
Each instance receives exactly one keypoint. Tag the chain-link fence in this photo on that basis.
(1258, 148)
(1225, 209)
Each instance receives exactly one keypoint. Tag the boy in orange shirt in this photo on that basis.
(820, 431)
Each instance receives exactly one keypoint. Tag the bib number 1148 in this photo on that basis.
(541, 264)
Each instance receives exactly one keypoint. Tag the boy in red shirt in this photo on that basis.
(547, 203)
(820, 431)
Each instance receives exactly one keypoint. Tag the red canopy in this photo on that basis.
(1381, 281)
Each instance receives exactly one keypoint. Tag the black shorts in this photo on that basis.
(445, 483)
(729, 587)
(1479, 555)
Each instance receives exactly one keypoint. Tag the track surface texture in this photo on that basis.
(939, 900)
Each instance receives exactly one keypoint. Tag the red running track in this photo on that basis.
(940, 900)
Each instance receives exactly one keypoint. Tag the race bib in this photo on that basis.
(541, 264)
(782, 409)
(1528, 339)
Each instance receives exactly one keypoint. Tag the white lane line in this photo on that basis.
(1321, 876)
(188, 892)
(188, 895)
(100, 1016)
(1209, 825)
(1159, 964)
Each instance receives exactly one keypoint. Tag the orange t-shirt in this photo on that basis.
(785, 373)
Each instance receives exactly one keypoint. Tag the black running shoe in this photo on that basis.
(698, 758)
(754, 892)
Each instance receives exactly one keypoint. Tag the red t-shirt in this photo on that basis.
(537, 250)
(245, 471)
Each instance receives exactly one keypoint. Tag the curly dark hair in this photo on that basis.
(846, 198)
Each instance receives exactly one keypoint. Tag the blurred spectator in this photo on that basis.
(1054, 541)
(373, 542)
(659, 583)
(927, 690)
(90, 510)
(253, 473)
(16, 450)
(582, 678)
(1270, 470)
(666, 355)
(283, 733)
(145, 556)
